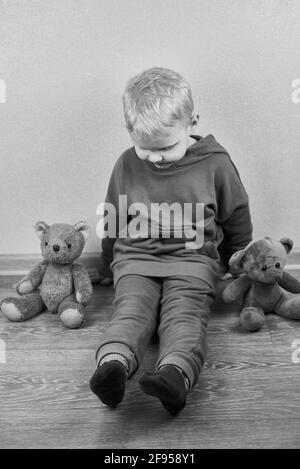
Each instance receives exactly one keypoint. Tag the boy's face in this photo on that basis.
(166, 148)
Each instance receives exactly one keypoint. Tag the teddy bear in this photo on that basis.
(263, 282)
(57, 282)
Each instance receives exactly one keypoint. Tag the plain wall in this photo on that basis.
(65, 64)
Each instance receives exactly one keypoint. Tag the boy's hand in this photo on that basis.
(105, 274)
(232, 273)
(105, 281)
(228, 275)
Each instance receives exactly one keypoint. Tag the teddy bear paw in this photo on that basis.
(82, 298)
(72, 318)
(252, 319)
(25, 287)
(11, 311)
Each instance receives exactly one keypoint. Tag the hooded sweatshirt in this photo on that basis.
(175, 220)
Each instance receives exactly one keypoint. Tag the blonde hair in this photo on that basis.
(156, 99)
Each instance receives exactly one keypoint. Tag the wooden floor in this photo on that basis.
(248, 394)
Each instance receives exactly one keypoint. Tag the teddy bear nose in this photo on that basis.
(55, 247)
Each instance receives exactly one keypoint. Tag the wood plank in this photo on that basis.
(221, 412)
(247, 396)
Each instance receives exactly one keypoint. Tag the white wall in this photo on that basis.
(65, 64)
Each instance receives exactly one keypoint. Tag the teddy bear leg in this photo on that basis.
(289, 308)
(22, 307)
(71, 313)
(252, 318)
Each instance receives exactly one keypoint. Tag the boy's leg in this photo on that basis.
(185, 308)
(123, 344)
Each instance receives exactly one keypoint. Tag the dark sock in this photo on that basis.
(168, 385)
(109, 382)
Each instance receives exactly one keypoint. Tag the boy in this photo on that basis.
(166, 275)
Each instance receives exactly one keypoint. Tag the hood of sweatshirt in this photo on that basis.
(201, 149)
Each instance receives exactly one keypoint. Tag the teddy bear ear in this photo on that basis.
(236, 259)
(84, 229)
(287, 243)
(40, 228)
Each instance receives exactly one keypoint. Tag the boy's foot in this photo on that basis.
(109, 382)
(168, 385)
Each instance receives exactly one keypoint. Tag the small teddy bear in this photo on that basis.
(263, 282)
(55, 283)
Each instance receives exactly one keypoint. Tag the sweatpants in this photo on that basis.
(177, 307)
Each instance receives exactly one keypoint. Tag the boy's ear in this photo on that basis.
(287, 244)
(194, 120)
(40, 228)
(236, 260)
(84, 229)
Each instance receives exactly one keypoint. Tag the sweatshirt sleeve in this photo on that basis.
(112, 197)
(233, 214)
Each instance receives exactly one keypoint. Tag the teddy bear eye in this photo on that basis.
(46, 244)
(277, 265)
(263, 268)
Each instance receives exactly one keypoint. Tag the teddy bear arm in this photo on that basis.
(289, 283)
(237, 287)
(82, 284)
(33, 279)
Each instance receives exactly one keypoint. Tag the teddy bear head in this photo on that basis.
(263, 259)
(62, 243)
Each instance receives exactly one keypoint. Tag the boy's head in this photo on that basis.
(158, 109)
